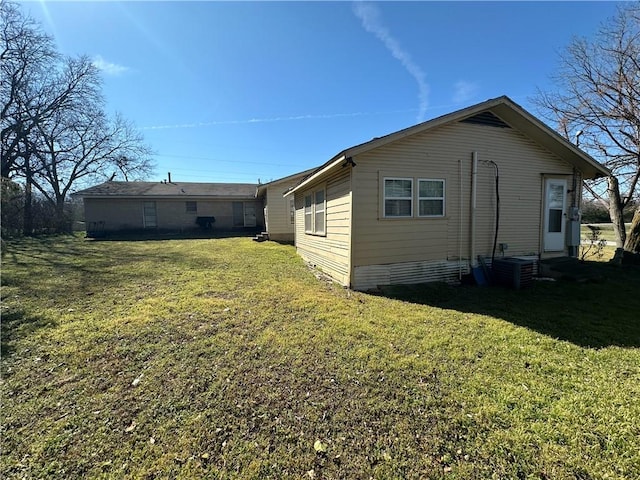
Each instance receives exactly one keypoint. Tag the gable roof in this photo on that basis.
(295, 177)
(502, 111)
(173, 190)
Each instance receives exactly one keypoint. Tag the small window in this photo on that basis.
(308, 213)
(398, 197)
(430, 198)
(192, 207)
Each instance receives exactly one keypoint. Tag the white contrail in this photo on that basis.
(266, 120)
(369, 15)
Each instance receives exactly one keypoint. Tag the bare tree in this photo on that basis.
(55, 132)
(85, 146)
(66, 88)
(598, 94)
(25, 89)
(633, 238)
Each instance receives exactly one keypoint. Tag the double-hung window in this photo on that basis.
(315, 218)
(398, 197)
(319, 213)
(430, 198)
(308, 213)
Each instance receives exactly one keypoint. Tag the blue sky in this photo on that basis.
(241, 91)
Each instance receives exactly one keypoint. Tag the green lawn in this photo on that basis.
(226, 358)
(605, 231)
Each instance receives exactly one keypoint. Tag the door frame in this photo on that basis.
(554, 241)
(149, 220)
(252, 206)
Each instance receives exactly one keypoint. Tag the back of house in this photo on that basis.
(425, 203)
(171, 206)
(279, 212)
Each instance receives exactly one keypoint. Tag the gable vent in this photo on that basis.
(486, 118)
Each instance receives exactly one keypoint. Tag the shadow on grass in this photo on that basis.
(593, 314)
(49, 249)
(66, 268)
(73, 252)
(16, 323)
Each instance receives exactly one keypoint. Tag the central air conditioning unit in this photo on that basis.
(512, 272)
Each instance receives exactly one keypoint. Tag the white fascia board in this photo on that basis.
(328, 167)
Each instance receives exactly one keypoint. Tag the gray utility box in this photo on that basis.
(512, 272)
(573, 233)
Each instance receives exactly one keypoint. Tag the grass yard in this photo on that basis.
(225, 358)
(605, 231)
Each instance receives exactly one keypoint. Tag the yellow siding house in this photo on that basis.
(427, 202)
(279, 212)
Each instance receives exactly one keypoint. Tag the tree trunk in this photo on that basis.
(4, 168)
(62, 223)
(615, 211)
(633, 239)
(27, 223)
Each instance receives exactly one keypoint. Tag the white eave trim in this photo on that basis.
(515, 116)
(326, 168)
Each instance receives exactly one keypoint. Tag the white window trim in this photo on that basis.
(444, 186)
(315, 229)
(320, 230)
(310, 213)
(384, 198)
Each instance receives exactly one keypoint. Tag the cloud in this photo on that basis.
(464, 91)
(370, 17)
(108, 67)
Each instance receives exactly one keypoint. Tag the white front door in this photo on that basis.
(555, 209)
(249, 215)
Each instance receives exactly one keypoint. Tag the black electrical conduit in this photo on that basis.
(495, 237)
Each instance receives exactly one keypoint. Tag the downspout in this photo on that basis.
(460, 220)
(352, 228)
(474, 189)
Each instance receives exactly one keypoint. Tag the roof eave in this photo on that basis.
(550, 139)
(262, 188)
(392, 137)
(505, 108)
(330, 165)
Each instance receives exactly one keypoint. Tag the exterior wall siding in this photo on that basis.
(331, 252)
(113, 214)
(127, 214)
(368, 277)
(446, 153)
(279, 223)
